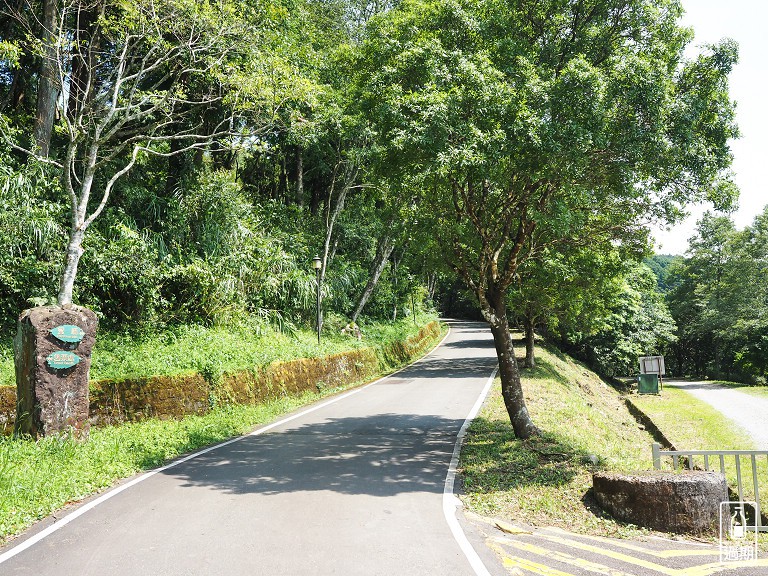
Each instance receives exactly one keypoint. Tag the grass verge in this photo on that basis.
(38, 478)
(690, 423)
(547, 480)
(753, 389)
(193, 348)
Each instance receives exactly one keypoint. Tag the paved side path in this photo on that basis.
(355, 487)
(748, 411)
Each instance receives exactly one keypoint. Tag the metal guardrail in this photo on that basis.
(686, 459)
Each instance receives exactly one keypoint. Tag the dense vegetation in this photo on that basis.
(170, 162)
(718, 295)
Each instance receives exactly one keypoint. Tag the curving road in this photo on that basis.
(352, 486)
(746, 410)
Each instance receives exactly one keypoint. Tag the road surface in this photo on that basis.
(746, 410)
(355, 486)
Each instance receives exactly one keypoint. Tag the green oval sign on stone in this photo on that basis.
(62, 359)
(68, 333)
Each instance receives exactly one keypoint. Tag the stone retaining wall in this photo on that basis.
(164, 397)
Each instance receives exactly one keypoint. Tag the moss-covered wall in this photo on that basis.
(399, 353)
(130, 399)
(296, 376)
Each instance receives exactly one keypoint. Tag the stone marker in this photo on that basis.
(680, 502)
(52, 351)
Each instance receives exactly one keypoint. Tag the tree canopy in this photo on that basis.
(541, 124)
(720, 301)
(211, 150)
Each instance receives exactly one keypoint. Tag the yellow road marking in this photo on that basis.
(612, 554)
(657, 553)
(539, 569)
(516, 564)
(701, 570)
(568, 559)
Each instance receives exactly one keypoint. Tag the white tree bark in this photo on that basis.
(383, 251)
(138, 103)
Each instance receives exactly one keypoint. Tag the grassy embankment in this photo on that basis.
(546, 481)
(690, 423)
(217, 348)
(38, 478)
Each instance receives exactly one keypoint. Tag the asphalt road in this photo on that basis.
(746, 410)
(354, 487)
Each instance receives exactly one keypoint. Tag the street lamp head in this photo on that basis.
(317, 263)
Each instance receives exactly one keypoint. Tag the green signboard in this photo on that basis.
(62, 359)
(68, 333)
(648, 384)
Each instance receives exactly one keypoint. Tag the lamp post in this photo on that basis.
(317, 264)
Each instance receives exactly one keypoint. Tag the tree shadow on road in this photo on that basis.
(380, 455)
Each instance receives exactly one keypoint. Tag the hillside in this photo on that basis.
(546, 481)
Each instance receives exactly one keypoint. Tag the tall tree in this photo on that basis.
(720, 300)
(636, 323)
(545, 122)
(134, 65)
(563, 288)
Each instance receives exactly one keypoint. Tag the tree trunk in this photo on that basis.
(299, 177)
(383, 250)
(331, 214)
(394, 289)
(48, 85)
(314, 201)
(74, 252)
(495, 312)
(530, 341)
(431, 285)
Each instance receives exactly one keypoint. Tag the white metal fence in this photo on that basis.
(749, 466)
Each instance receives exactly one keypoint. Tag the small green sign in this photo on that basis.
(62, 359)
(68, 333)
(648, 384)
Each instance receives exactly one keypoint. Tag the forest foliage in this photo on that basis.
(168, 162)
(718, 295)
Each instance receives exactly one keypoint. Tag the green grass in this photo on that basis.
(218, 349)
(690, 423)
(547, 480)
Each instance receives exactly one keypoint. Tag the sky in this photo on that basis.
(745, 22)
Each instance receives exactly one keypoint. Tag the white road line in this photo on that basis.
(451, 502)
(112, 493)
